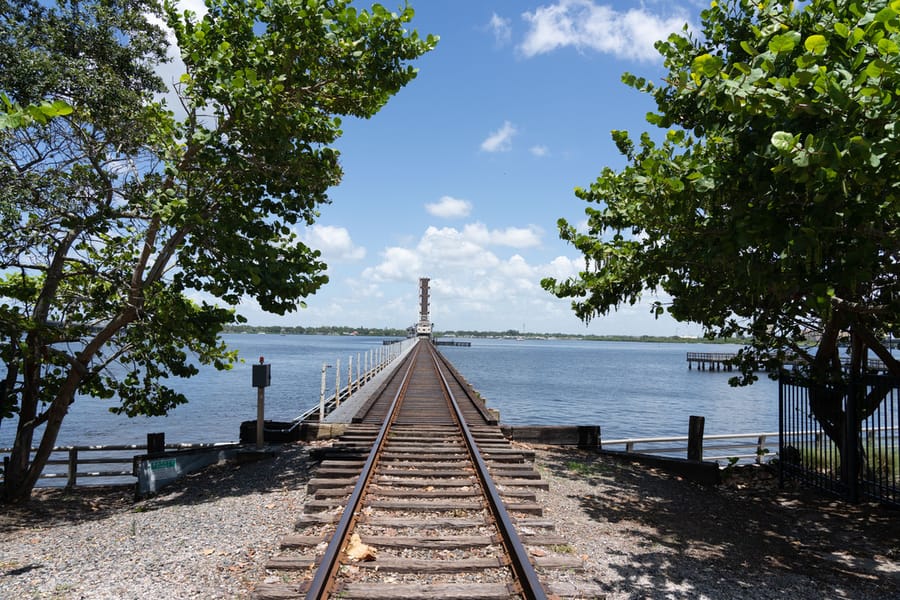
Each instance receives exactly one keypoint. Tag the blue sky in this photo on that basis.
(463, 175)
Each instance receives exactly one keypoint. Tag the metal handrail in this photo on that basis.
(760, 444)
(764, 441)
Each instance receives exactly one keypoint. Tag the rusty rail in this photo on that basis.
(521, 565)
(426, 400)
(324, 578)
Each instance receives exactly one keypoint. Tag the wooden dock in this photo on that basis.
(452, 343)
(710, 361)
(720, 361)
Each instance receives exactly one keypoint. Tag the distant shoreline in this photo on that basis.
(510, 334)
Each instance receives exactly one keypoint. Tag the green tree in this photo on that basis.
(769, 208)
(116, 214)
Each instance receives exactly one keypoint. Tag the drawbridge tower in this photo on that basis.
(423, 327)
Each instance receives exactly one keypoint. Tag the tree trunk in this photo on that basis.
(25, 470)
(20, 457)
(837, 412)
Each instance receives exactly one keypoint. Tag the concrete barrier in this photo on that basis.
(582, 436)
(155, 471)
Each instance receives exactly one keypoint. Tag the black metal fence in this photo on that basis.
(843, 439)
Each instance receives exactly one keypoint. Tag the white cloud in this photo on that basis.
(518, 267)
(466, 252)
(514, 237)
(448, 207)
(501, 29)
(334, 242)
(449, 246)
(399, 264)
(478, 275)
(563, 267)
(475, 284)
(500, 140)
(585, 25)
(539, 151)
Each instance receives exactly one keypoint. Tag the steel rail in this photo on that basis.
(521, 565)
(320, 586)
(478, 406)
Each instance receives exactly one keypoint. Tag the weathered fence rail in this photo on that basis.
(727, 447)
(102, 465)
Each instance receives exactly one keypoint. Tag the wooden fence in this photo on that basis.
(724, 448)
(103, 465)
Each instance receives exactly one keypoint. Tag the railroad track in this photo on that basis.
(423, 497)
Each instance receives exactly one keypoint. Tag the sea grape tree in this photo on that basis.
(769, 205)
(120, 214)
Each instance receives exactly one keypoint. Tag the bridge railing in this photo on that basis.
(346, 383)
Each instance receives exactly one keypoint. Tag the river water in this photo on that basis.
(630, 389)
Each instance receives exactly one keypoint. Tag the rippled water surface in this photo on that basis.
(630, 389)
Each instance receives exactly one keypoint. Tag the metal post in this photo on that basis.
(781, 429)
(357, 371)
(850, 452)
(262, 378)
(260, 417)
(322, 395)
(350, 376)
(337, 382)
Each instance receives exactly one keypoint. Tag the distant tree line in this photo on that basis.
(512, 333)
(509, 333)
(317, 330)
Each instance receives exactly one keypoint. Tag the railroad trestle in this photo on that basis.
(423, 497)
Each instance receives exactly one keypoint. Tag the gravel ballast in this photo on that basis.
(641, 533)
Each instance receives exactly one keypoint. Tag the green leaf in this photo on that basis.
(675, 184)
(783, 141)
(801, 158)
(875, 68)
(784, 42)
(60, 108)
(707, 65)
(885, 14)
(743, 68)
(816, 44)
(888, 47)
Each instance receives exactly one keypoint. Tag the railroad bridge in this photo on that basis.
(421, 495)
